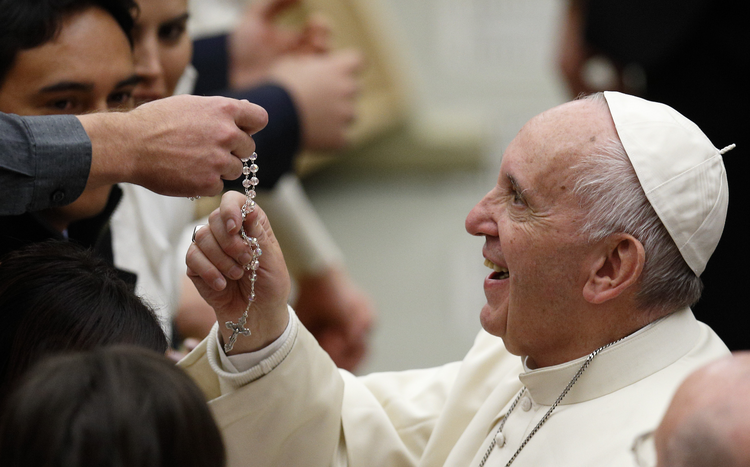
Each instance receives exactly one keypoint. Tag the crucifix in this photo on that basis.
(237, 329)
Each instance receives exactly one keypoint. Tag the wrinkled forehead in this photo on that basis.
(573, 128)
(550, 145)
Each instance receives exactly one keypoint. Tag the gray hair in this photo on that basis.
(608, 190)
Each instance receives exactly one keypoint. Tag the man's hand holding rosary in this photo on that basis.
(237, 266)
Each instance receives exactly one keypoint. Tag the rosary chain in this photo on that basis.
(249, 183)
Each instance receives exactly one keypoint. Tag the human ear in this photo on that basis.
(619, 267)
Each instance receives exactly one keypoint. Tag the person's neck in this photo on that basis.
(55, 220)
(583, 344)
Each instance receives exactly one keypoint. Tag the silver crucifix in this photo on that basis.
(237, 329)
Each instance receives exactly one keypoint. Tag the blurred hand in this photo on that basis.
(324, 89)
(215, 262)
(178, 146)
(258, 41)
(338, 314)
(194, 317)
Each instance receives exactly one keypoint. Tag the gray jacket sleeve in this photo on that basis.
(44, 162)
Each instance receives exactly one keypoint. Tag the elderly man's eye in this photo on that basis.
(517, 198)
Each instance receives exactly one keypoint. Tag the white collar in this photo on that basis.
(637, 356)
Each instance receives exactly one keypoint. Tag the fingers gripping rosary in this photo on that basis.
(249, 183)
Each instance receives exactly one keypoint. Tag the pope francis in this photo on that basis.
(604, 215)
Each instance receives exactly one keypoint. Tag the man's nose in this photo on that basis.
(479, 221)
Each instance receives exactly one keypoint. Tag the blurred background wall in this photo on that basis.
(458, 80)
(476, 70)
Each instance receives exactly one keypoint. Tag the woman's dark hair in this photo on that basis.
(115, 407)
(26, 24)
(55, 297)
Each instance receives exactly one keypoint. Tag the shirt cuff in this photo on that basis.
(63, 159)
(238, 370)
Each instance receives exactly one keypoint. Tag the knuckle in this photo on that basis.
(193, 253)
(214, 217)
(226, 134)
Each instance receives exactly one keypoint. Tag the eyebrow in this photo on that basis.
(516, 186)
(67, 86)
(76, 86)
(178, 19)
(129, 81)
(514, 183)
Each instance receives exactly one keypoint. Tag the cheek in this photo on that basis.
(174, 60)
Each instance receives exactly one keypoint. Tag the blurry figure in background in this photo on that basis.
(687, 54)
(708, 422)
(57, 297)
(320, 82)
(120, 406)
(68, 57)
(309, 93)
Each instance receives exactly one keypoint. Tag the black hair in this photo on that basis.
(56, 296)
(115, 407)
(26, 24)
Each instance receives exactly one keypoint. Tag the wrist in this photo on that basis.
(110, 137)
(244, 369)
(265, 328)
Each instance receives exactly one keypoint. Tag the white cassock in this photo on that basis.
(294, 408)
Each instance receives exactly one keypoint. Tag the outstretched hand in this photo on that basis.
(215, 265)
(338, 314)
(324, 88)
(178, 146)
(259, 40)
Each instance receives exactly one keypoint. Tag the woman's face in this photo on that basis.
(162, 47)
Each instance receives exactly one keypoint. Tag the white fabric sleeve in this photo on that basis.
(243, 362)
(238, 370)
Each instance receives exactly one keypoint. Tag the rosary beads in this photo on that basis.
(249, 183)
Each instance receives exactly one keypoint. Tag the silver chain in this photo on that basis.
(547, 415)
(249, 183)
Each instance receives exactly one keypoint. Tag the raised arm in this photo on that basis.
(215, 265)
(178, 146)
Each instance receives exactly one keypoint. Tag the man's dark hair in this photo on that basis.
(26, 24)
(113, 407)
(57, 297)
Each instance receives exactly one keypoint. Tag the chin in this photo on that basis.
(493, 321)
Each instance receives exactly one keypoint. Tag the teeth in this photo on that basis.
(495, 267)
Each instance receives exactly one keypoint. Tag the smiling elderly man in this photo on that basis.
(605, 213)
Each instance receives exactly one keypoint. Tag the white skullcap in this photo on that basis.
(680, 170)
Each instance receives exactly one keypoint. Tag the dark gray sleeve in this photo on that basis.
(44, 162)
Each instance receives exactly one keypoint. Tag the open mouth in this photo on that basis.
(499, 273)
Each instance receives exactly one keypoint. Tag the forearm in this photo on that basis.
(112, 148)
(290, 416)
(178, 146)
